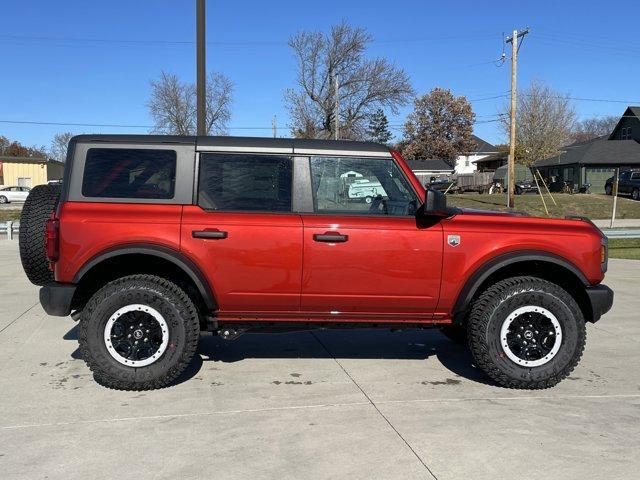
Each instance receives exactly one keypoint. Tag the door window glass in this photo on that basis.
(245, 182)
(361, 186)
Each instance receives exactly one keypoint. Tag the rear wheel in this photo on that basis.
(38, 207)
(138, 333)
(608, 190)
(3, 199)
(635, 194)
(525, 332)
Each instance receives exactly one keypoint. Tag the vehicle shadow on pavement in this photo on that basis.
(412, 344)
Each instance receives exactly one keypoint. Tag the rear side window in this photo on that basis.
(245, 182)
(129, 173)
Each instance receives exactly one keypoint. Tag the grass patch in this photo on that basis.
(587, 205)
(628, 248)
(6, 215)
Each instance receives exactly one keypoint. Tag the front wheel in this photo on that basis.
(3, 199)
(527, 333)
(138, 333)
(635, 194)
(608, 190)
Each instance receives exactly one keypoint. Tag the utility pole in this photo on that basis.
(337, 112)
(274, 127)
(512, 128)
(201, 73)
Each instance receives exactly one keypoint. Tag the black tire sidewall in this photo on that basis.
(37, 209)
(608, 190)
(3, 199)
(169, 305)
(568, 325)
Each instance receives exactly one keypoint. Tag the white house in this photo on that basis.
(466, 163)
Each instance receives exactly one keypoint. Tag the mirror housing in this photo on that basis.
(435, 205)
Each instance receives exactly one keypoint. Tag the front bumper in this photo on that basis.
(56, 299)
(601, 299)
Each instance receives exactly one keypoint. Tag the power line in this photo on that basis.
(122, 41)
(106, 125)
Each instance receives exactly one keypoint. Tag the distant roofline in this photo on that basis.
(38, 160)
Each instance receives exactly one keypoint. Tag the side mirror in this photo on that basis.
(435, 205)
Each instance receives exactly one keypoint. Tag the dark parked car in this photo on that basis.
(628, 184)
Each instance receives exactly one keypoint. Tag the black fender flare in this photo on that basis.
(178, 259)
(496, 263)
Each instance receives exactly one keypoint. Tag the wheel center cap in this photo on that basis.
(137, 334)
(528, 334)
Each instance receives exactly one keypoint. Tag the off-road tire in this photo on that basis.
(170, 301)
(492, 308)
(455, 333)
(40, 203)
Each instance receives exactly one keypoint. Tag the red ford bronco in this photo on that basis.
(152, 239)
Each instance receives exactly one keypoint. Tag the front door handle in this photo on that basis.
(330, 237)
(209, 234)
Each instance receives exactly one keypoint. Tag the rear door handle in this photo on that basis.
(330, 237)
(210, 234)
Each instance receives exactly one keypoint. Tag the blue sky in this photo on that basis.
(91, 62)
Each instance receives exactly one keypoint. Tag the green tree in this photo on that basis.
(378, 129)
(440, 126)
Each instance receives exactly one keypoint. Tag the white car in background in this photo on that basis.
(14, 194)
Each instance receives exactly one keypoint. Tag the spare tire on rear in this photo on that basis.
(40, 203)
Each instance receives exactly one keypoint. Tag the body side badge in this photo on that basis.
(453, 240)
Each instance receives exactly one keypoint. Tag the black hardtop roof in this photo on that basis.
(243, 142)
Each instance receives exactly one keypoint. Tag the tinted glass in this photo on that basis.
(245, 182)
(129, 173)
(365, 186)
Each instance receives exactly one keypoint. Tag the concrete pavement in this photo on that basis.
(342, 404)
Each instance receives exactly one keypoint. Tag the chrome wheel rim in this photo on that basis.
(136, 335)
(531, 336)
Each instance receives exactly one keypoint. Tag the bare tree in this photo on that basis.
(219, 98)
(173, 104)
(440, 126)
(364, 85)
(59, 144)
(594, 127)
(544, 121)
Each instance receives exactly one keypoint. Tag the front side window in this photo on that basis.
(245, 182)
(129, 173)
(361, 186)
